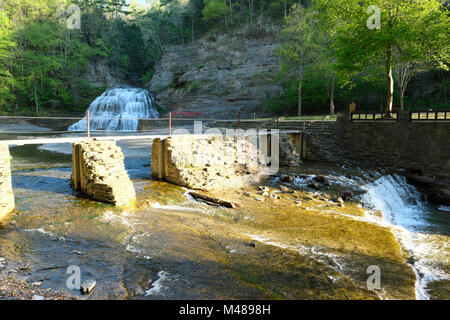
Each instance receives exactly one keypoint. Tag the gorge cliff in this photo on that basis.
(220, 74)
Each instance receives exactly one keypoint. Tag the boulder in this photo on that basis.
(347, 195)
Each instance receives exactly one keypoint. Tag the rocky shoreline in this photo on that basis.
(12, 288)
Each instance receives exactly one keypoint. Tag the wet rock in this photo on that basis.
(320, 179)
(314, 185)
(87, 286)
(139, 291)
(347, 195)
(37, 297)
(435, 188)
(264, 194)
(287, 178)
(340, 202)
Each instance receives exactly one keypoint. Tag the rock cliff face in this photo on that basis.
(220, 75)
(100, 75)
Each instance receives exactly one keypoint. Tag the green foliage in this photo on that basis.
(214, 11)
(409, 31)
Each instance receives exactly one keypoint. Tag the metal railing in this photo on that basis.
(374, 116)
(429, 115)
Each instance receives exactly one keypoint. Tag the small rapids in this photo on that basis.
(415, 227)
(118, 110)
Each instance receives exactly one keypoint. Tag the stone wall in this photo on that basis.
(418, 146)
(99, 171)
(207, 162)
(6, 194)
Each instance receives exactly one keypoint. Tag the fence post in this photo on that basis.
(88, 125)
(239, 120)
(170, 124)
(304, 123)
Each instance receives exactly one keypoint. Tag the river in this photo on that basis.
(172, 247)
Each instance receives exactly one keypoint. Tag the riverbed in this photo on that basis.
(297, 245)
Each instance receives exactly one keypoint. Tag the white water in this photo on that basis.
(410, 222)
(118, 109)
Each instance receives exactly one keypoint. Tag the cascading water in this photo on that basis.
(421, 231)
(118, 109)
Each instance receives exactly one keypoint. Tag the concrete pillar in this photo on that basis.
(98, 170)
(6, 194)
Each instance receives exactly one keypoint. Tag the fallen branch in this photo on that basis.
(211, 200)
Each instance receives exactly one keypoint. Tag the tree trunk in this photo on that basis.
(333, 80)
(402, 98)
(300, 98)
(390, 81)
(231, 13)
(35, 96)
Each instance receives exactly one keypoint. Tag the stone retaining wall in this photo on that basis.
(6, 194)
(418, 146)
(99, 171)
(206, 162)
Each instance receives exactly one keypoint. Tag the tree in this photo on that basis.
(417, 30)
(298, 45)
(403, 73)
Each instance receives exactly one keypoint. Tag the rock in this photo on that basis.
(274, 196)
(37, 297)
(36, 284)
(263, 188)
(314, 185)
(340, 202)
(435, 188)
(297, 202)
(87, 286)
(320, 179)
(347, 195)
(138, 291)
(284, 189)
(286, 178)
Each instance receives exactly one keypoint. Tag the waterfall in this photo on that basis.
(412, 222)
(118, 109)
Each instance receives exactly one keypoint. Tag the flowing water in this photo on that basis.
(171, 247)
(118, 110)
(422, 230)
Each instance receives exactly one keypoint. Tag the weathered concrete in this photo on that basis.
(99, 171)
(207, 162)
(6, 194)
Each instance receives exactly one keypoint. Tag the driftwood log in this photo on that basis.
(214, 201)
